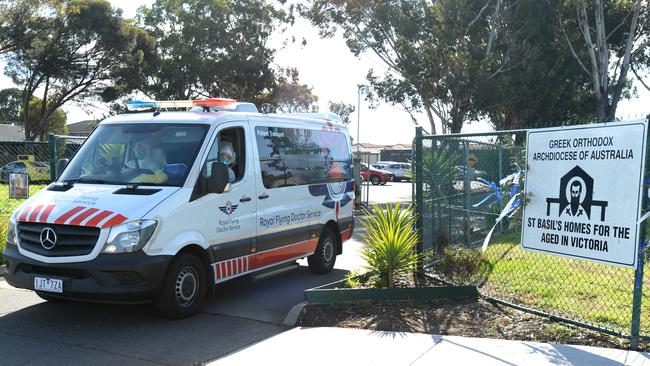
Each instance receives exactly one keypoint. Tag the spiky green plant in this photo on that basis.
(391, 240)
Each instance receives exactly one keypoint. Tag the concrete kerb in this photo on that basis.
(292, 316)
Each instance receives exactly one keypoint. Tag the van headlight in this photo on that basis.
(12, 232)
(129, 237)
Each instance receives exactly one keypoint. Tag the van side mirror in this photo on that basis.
(60, 165)
(218, 181)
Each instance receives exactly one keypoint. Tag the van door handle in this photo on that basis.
(244, 199)
(263, 196)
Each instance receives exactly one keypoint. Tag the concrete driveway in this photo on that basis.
(35, 332)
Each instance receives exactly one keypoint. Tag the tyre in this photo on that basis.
(323, 259)
(184, 287)
(396, 179)
(375, 180)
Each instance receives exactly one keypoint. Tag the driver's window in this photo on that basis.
(229, 148)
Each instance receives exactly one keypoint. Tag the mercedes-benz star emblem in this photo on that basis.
(48, 238)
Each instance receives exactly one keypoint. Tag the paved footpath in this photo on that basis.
(339, 346)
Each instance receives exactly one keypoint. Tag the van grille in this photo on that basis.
(71, 240)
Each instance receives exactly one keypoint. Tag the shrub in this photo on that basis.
(351, 280)
(391, 238)
(462, 266)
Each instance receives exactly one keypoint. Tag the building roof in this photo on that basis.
(82, 127)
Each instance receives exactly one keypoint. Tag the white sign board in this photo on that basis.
(583, 190)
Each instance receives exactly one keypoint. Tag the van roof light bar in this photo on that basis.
(207, 105)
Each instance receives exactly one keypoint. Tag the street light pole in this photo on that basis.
(361, 89)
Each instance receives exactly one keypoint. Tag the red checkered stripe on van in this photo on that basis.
(230, 268)
(224, 270)
(78, 216)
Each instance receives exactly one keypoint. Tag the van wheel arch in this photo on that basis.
(334, 226)
(186, 283)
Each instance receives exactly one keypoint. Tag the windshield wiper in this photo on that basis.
(85, 180)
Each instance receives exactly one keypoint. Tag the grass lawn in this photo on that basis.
(591, 292)
(7, 206)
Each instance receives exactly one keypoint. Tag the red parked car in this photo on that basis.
(375, 176)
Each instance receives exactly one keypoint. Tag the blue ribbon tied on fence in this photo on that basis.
(511, 208)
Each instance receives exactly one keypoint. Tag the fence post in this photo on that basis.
(467, 190)
(51, 140)
(638, 272)
(418, 190)
(500, 149)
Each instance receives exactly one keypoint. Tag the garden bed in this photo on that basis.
(408, 288)
(467, 318)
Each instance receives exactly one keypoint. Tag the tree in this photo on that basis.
(543, 85)
(20, 22)
(55, 123)
(211, 47)
(613, 42)
(342, 110)
(436, 52)
(84, 51)
(289, 95)
(10, 101)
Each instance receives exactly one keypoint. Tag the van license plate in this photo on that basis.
(48, 284)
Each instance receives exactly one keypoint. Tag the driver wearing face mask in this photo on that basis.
(144, 160)
(227, 156)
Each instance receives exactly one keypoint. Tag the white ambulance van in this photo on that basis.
(160, 206)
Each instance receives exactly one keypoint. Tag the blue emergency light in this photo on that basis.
(140, 105)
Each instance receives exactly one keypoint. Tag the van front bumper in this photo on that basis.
(115, 278)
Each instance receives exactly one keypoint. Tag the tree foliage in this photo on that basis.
(10, 101)
(211, 47)
(507, 60)
(540, 85)
(289, 95)
(342, 109)
(435, 52)
(84, 50)
(21, 21)
(55, 123)
(614, 39)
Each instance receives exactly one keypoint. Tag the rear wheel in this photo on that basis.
(184, 287)
(323, 259)
(375, 180)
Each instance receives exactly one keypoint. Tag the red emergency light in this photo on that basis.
(224, 103)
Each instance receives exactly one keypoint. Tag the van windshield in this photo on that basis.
(143, 153)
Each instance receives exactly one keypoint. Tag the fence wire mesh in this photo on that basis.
(467, 180)
(36, 159)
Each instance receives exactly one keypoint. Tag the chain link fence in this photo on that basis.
(463, 184)
(36, 159)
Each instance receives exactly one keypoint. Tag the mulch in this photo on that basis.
(469, 318)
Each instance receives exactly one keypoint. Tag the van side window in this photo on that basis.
(296, 156)
(229, 148)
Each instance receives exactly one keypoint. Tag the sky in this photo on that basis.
(334, 72)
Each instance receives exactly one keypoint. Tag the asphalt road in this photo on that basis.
(390, 192)
(241, 313)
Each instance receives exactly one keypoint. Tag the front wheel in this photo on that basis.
(323, 259)
(184, 287)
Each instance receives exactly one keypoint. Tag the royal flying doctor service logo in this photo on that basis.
(229, 208)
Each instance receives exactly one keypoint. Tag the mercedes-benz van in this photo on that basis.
(159, 206)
